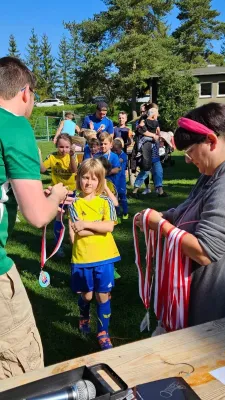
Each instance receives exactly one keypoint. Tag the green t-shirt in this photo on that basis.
(18, 160)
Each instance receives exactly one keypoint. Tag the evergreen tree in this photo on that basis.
(47, 66)
(199, 26)
(129, 38)
(63, 65)
(33, 57)
(77, 51)
(12, 50)
(222, 49)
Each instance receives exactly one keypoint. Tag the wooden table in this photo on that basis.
(201, 349)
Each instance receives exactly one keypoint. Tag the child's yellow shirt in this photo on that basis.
(60, 170)
(112, 187)
(90, 251)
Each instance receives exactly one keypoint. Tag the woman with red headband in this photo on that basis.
(201, 133)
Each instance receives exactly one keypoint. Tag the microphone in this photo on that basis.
(82, 390)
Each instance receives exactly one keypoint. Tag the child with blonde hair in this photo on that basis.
(92, 221)
(106, 143)
(88, 134)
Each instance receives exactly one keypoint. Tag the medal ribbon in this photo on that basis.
(172, 274)
(172, 282)
(44, 259)
(72, 212)
(145, 284)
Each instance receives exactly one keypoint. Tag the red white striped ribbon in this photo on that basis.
(172, 286)
(172, 274)
(44, 258)
(145, 281)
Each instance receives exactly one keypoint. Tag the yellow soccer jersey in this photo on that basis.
(100, 248)
(112, 187)
(60, 171)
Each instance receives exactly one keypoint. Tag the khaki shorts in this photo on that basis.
(20, 343)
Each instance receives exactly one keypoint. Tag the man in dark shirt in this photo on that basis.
(122, 131)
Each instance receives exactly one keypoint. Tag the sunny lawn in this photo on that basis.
(55, 307)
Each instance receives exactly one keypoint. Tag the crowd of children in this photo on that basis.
(99, 187)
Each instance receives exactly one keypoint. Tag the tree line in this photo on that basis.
(118, 51)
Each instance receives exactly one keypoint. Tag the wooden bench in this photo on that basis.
(190, 353)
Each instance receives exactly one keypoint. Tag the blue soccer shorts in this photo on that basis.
(99, 279)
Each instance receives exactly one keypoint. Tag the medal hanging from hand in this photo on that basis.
(44, 277)
(145, 281)
(172, 281)
(172, 276)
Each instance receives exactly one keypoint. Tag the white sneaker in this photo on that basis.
(146, 191)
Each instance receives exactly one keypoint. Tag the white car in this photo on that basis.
(144, 99)
(49, 103)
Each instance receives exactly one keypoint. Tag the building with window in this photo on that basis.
(211, 84)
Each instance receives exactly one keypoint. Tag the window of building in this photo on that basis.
(205, 89)
(221, 89)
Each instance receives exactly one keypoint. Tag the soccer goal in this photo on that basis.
(46, 127)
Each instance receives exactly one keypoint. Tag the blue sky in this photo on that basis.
(46, 16)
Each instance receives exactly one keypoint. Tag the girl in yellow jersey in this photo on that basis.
(63, 166)
(94, 250)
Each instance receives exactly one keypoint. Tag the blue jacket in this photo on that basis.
(115, 163)
(121, 179)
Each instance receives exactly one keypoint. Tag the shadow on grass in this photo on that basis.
(56, 312)
(61, 341)
(59, 328)
(59, 272)
(55, 308)
(180, 170)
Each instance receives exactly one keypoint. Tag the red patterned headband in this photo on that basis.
(194, 126)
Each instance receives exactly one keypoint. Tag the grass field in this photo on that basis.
(55, 308)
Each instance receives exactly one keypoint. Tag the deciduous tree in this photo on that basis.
(177, 94)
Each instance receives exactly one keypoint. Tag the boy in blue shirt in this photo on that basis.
(121, 180)
(98, 121)
(91, 148)
(88, 134)
(106, 150)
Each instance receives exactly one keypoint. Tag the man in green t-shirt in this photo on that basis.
(20, 343)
